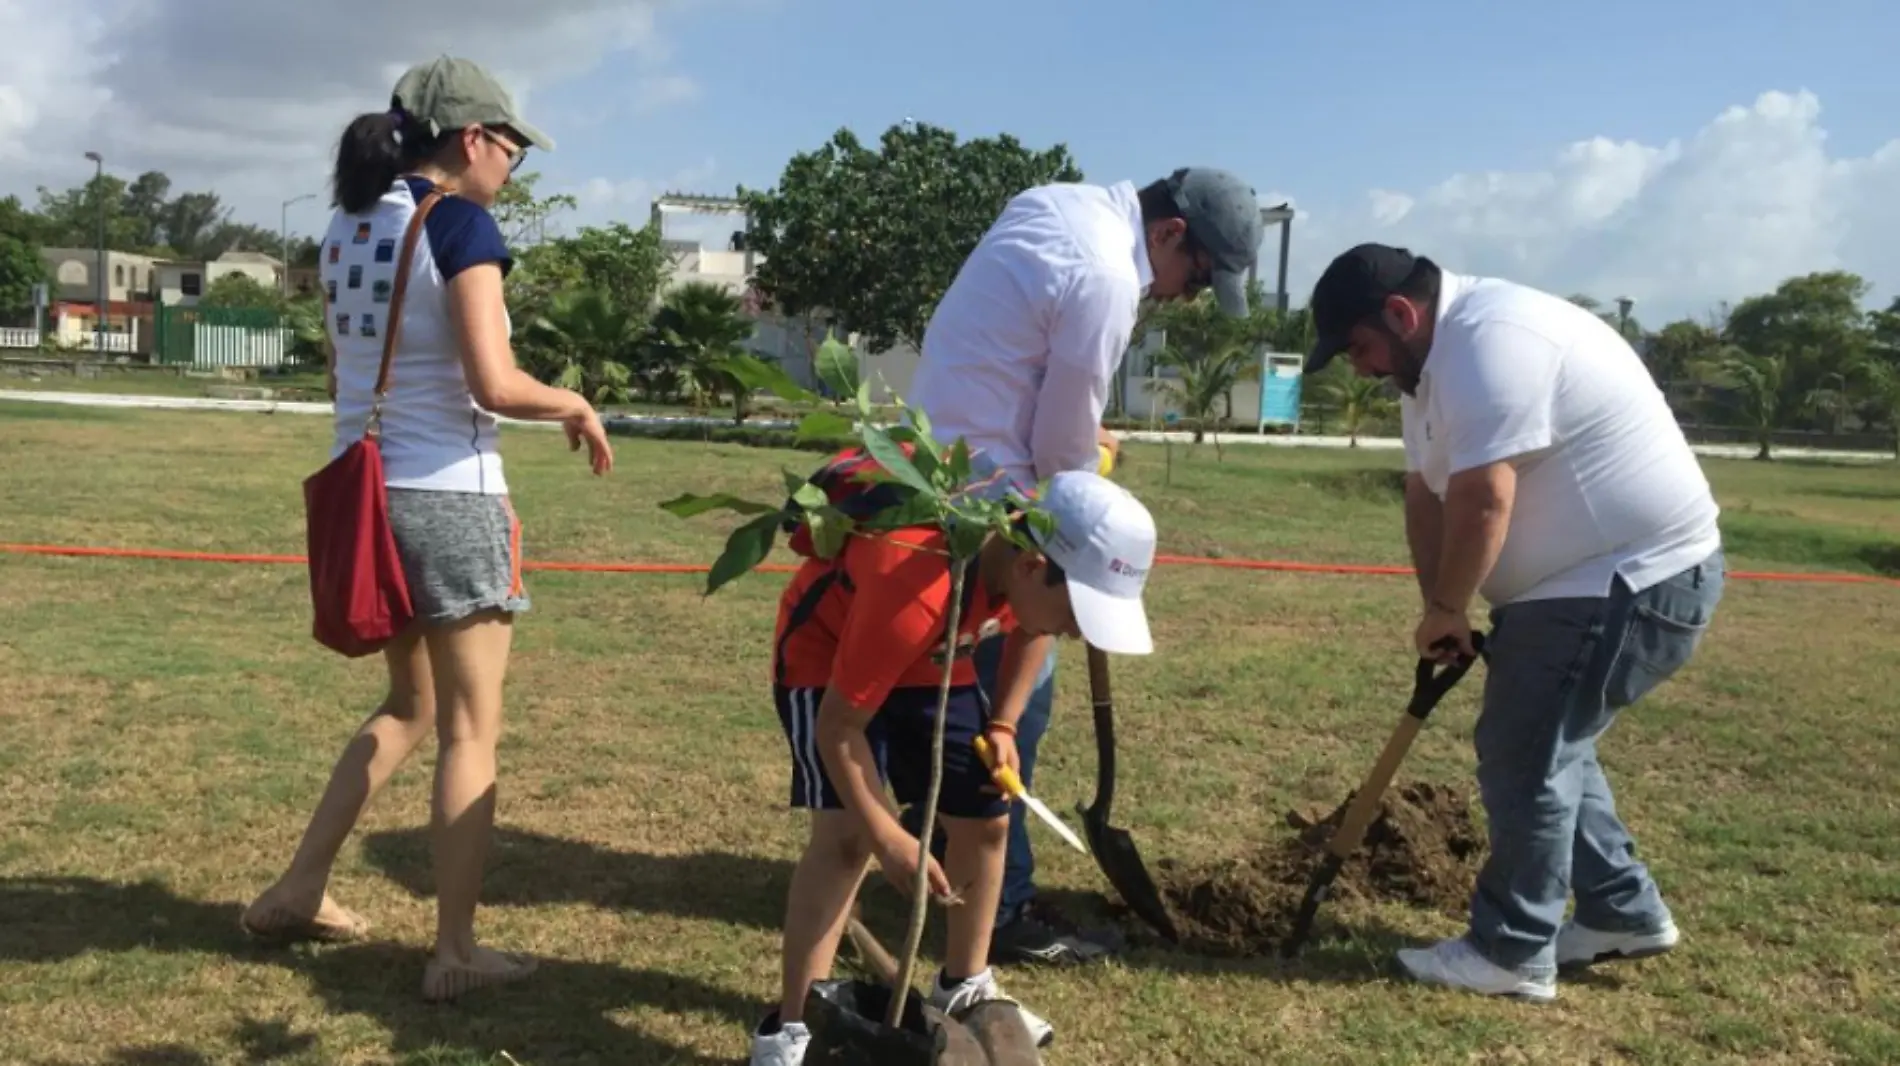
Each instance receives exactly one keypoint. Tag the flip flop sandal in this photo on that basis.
(280, 925)
(443, 981)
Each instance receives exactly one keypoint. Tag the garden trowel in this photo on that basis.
(1012, 787)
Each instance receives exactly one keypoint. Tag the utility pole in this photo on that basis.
(283, 275)
(99, 319)
(1283, 217)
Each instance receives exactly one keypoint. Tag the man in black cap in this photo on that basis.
(1020, 358)
(1546, 473)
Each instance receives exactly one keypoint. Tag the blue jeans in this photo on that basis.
(1558, 673)
(1019, 863)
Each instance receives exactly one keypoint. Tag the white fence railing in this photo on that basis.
(123, 343)
(239, 346)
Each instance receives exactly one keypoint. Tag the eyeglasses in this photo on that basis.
(517, 153)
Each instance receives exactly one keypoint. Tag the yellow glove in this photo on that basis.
(1107, 464)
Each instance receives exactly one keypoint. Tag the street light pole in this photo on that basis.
(1623, 305)
(1283, 216)
(99, 319)
(283, 276)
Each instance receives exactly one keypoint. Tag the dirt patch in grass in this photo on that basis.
(1422, 849)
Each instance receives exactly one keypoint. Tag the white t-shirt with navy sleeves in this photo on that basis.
(435, 436)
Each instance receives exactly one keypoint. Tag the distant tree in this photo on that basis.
(1354, 400)
(583, 341)
(874, 238)
(1755, 385)
(1814, 324)
(236, 289)
(704, 326)
(21, 268)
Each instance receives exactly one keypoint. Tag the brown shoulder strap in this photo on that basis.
(393, 327)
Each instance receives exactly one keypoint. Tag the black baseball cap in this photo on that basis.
(1353, 289)
(1223, 217)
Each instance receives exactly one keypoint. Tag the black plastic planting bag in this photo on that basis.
(846, 1019)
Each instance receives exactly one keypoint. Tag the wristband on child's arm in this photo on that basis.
(998, 726)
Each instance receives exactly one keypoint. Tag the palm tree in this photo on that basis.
(583, 342)
(1755, 383)
(1357, 400)
(704, 324)
(1203, 380)
(1883, 384)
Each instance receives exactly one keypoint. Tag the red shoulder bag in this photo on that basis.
(357, 587)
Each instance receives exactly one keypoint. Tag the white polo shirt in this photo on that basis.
(1606, 483)
(1021, 353)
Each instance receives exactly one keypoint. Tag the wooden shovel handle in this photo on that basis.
(1365, 802)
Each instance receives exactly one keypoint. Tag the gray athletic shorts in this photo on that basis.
(461, 553)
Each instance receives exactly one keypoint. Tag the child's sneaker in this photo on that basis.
(983, 989)
(1579, 945)
(784, 1046)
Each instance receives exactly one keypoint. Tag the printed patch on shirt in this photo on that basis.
(336, 251)
(343, 324)
(386, 250)
(362, 233)
(356, 276)
(369, 326)
(379, 290)
(329, 287)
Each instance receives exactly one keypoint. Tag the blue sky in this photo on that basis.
(1318, 102)
(1681, 152)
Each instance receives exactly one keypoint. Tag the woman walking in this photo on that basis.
(444, 149)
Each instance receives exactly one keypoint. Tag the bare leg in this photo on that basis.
(977, 848)
(470, 660)
(819, 905)
(368, 761)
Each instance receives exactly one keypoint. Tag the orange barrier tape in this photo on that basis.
(1283, 566)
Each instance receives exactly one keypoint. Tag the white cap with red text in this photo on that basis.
(1104, 540)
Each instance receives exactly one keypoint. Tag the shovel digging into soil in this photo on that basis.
(1113, 848)
(1427, 690)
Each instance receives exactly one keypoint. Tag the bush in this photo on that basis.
(749, 436)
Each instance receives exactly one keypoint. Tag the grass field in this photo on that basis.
(166, 726)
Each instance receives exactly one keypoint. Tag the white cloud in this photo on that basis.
(1752, 198)
(247, 98)
(657, 91)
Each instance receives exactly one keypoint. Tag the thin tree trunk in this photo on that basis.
(920, 886)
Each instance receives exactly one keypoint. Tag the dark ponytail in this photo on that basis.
(373, 151)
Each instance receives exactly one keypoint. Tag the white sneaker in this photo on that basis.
(1579, 945)
(783, 1048)
(1457, 964)
(983, 989)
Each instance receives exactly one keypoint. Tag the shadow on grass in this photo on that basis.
(1353, 949)
(528, 869)
(1883, 559)
(561, 1015)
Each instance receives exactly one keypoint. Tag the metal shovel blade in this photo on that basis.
(1427, 690)
(1113, 848)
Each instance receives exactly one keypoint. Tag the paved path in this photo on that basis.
(194, 403)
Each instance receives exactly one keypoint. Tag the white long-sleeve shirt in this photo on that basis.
(1022, 351)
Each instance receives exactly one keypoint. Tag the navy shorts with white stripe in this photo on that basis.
(899, 735)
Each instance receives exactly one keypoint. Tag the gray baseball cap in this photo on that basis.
(1223, 217)
(448, 93)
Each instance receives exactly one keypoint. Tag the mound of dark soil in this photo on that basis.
(1422, 849)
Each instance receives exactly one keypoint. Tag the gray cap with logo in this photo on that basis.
(1223, 217)
(450, 93)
